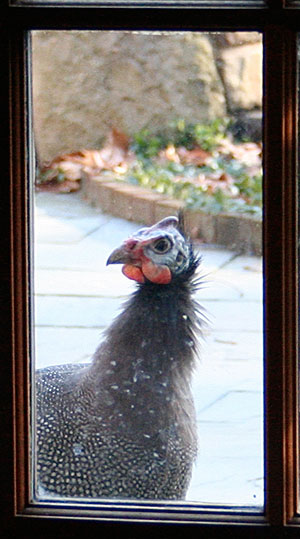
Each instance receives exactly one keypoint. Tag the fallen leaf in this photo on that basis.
(67, 186)
(197, 156)
(114, 155)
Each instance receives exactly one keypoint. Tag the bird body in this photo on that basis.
(124, 426)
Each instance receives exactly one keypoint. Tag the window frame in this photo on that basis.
(280, 26)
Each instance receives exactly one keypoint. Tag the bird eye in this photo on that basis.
(162, 246)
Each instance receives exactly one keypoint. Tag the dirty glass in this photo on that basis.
(130, 128)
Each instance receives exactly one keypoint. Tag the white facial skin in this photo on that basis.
(154, 253)
(169, 249)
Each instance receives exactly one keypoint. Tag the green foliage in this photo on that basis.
(165, 180)
(147, 145)
(180, 133)
(49, 174)
(200, 166)
(207, 136)
(180, 180)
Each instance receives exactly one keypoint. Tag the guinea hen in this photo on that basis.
(124, 426)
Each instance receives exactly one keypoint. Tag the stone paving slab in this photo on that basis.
(59, 345)
(213, 257)
(223, 283)
(221, 353)
(229, 466)
(77, 312)
(234, 315)
(236, 405)
(60, 207)
(226, 480)
(227, 441)
(83, 283)
(224, 347)
(58, 256)
(99, 311)
(97, 281)
(225, 280)
(52, 231)
(77, 296)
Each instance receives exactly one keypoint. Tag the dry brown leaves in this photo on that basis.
(64, 173)
(247, 153)
(197, 156)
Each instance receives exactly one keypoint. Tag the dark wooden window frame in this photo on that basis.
(279, 22)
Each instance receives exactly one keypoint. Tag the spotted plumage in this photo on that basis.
(124, 425)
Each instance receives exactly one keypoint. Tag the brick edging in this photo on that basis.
(240, 233)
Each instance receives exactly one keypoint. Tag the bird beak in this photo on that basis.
(121, 255)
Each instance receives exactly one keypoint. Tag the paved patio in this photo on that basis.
(77, 296)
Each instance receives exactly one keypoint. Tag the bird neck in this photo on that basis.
(155, 334)
(144, 366)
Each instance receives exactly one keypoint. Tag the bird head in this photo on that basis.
(156, 253)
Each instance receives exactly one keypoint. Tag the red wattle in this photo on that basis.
(134, 273)
(156, 274)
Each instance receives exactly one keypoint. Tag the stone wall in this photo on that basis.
(86, 82)
(239, 57)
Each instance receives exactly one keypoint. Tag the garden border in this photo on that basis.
(238, 232)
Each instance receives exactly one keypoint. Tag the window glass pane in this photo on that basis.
(131, 127)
